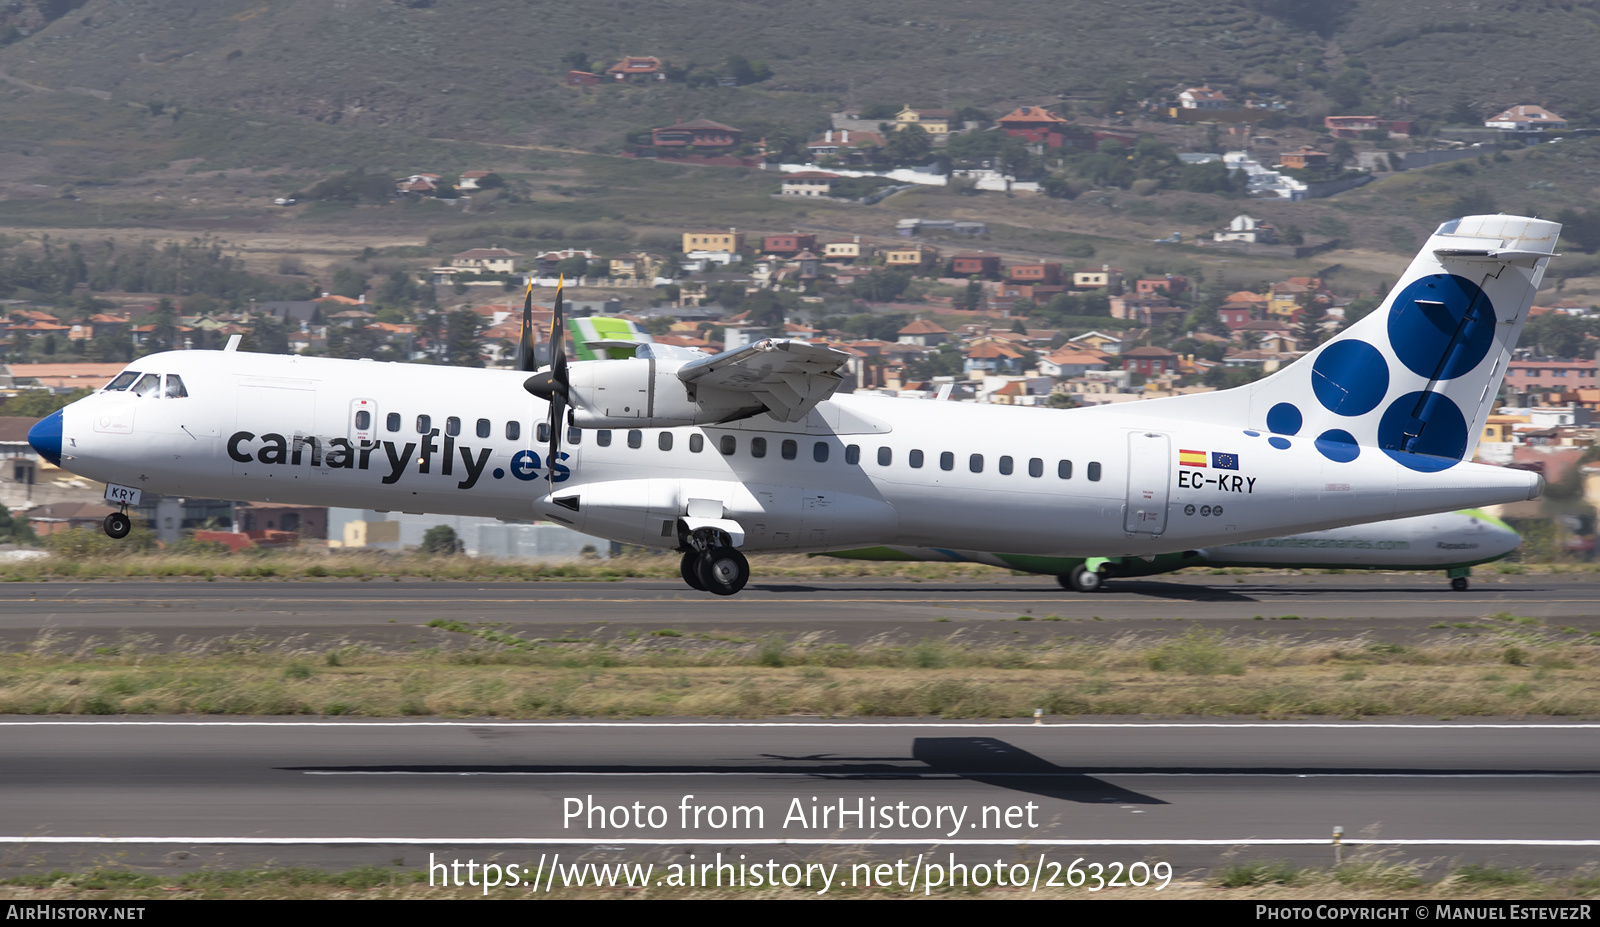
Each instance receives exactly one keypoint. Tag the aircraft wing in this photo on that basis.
(788, 377)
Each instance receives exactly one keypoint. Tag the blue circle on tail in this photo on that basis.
(1423, 431)
(1284, 419)
(1441, 326)
(1338, 445)
(1350, 377)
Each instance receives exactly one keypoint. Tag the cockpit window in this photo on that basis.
(123, 380)
(148, 385)
(175, 388)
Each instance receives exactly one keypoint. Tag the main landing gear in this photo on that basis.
(1458, 578)
(712, 564)
(118, 524)
(1082, 579)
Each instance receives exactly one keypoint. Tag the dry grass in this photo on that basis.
(363, 565)
(1516, 672)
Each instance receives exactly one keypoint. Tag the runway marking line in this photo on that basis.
(910, 773)
(793, 841)
(825, 725)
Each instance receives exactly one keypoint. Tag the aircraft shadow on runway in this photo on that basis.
(988, 760)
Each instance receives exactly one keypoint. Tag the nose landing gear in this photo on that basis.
(118, 524)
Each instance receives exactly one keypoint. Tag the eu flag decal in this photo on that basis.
(1221, 461)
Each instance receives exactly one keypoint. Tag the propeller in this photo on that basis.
(550, 385)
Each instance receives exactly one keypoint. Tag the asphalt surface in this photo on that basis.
(395, 613)
(184, 792)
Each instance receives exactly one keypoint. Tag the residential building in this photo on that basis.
(486, 261)
(1107, 277)
(1044, 274)
(1148, 311)
(924, 333)
(913, 256)
(730, 240)
(1353, 126)
(849, 145)
(792, 243)
(1072, 361)
(1099, 341)
(1170, 285)
(932, 121)
(636, 265)
(1149, 361)
(637, 69)
(992, 357)
(1526, 117)
(979, 265)
(1531, 374)
(1035, 124)
(1303, 158)
(1247, 229)
(1204, 98)
(808, 183)
(697, 136)
(845, 251)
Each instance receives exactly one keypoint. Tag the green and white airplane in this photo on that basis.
(1454, 542)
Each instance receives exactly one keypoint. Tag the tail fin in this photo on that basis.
(1416, 379)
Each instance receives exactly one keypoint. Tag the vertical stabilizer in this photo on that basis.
(1415, 379)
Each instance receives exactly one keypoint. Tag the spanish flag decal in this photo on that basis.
(1191, 458)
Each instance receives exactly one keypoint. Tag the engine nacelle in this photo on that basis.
(646, 393)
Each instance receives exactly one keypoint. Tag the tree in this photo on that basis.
(577, 60)
(16, 531)
(37, 403)
(910, 145)
(442, 540)
(973, 297)
(461, 339)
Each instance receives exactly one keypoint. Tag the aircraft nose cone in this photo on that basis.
(45, 436)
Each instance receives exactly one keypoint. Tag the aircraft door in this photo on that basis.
(363, 422)
(1149, 472)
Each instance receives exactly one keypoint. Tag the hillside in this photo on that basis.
(492, 69)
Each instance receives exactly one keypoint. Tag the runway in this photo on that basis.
(342, 793)
(393, 613)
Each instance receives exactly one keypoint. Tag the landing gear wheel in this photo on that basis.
(1459, 584)
(118, 525)
(690, 568)
(723, 570)
(1082, 580)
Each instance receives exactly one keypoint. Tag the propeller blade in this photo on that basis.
(527, 357)
(559, 385)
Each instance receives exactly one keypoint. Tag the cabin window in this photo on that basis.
(664, 440)
(758, 447)
(483, 427)
(852, 454)
(603, 437)
(916, 460)
(819, 452)
(975, 463)
(123, 380)
(1005, 466)
(885, 456)
(635, 437)
(452, 426)
(789, 450)
(1094, 471)
(947, 461)
(363, 420)
(1064, 469)
(392, 422)
(1035, 467)
(728, 445)
(148, 385)
(541, 433)
(424, 424)
(697, 443)
(175, 388)
(574, 435)
(513, 431)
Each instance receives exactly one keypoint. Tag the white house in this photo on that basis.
(1526, 117)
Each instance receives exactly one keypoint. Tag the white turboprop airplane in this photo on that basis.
(751, 450)
(1454, 542)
